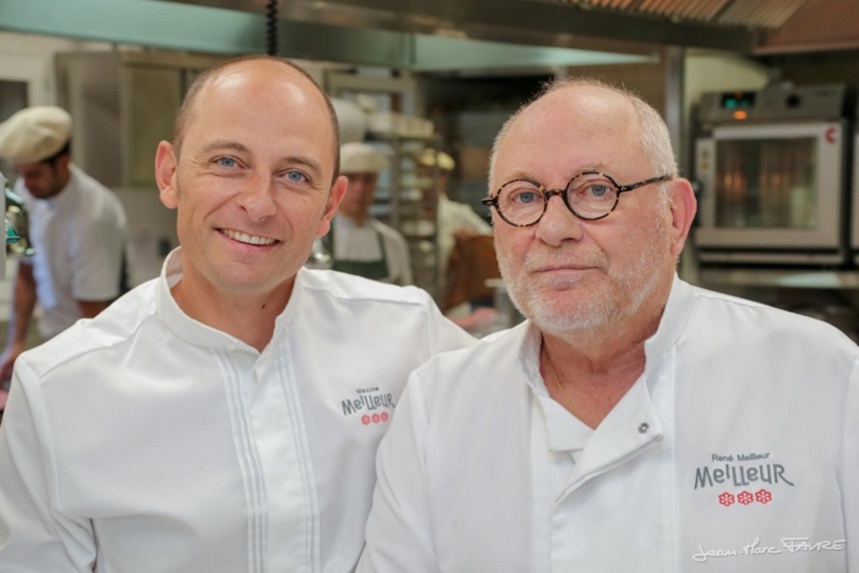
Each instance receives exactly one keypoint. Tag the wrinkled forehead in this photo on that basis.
(569, 129)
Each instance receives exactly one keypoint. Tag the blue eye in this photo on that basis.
(599, 190)
(526, 197)
(295, 176)
(227, 162)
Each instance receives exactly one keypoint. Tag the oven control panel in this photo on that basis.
(774, 103)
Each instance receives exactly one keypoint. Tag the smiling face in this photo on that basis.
(252, 181)
(569, 275)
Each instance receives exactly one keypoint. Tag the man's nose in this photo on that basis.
(258, 198)
(558, 223)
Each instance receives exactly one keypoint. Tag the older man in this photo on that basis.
(633, 422)
(225, 416)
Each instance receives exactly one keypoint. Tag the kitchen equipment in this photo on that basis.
(773, 173)
(854, 218)
(17, 225)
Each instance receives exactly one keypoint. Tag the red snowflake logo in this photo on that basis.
(745, 498)
(726, 499)
(376, 418)
(384, 416)
(365, 419)
(763, 496)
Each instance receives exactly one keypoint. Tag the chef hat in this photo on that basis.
(361, 158)
(34, 134)
(429, 157)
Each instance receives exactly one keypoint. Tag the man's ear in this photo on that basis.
(165, 174)
(335, 196)
(61, 163)
(683, 209)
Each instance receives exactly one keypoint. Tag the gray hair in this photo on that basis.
(655, 139)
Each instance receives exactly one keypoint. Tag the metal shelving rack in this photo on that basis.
(407, 200)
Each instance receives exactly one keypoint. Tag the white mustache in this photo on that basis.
(538, 260)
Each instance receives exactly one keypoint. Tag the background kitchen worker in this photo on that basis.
(362, 245)
(454, 218)
(640, 423)
(77, 228)
(466, 255)
(225, 416)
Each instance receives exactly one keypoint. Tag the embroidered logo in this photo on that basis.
(374, 419)
(742, 471)
(744, 497)
(369, 406)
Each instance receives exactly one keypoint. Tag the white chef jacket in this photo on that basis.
(736, 450)
(354, 243)
(79, 236)
(143, 441)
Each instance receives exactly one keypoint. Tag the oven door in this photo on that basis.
(772, 194)
(854, 220)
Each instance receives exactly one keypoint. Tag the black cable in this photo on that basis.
(271, 26)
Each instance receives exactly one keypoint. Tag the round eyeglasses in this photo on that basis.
(589, 195)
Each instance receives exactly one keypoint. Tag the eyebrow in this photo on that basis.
(222, 145)
(219, 145)
(598, 166)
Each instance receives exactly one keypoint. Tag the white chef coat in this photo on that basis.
(454, 217)
(736, 450)
(354, 243)
(79, 236)
(144, 441)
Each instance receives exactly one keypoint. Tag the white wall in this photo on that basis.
(30, 58)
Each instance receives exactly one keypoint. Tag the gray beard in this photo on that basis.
(623, 297)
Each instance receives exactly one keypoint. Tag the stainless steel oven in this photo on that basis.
(854, 218)
(773, 175)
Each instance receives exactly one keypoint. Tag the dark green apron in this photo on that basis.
(376, 270)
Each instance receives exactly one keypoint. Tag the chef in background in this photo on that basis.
(362, 245)
(466, 253)
(454, 219)
(76, 225)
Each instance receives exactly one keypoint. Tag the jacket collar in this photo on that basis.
(199, 334)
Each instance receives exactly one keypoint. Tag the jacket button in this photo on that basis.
(643, 428)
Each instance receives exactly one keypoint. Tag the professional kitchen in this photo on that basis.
(285, 287)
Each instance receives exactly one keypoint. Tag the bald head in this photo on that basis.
(260, 66)
(607, 104)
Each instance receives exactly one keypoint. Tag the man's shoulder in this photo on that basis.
(95, 338)
(490, 364)
(86, 182)
(344, 286)
(97, 200)
(490, 375)
(744, 321)
(387, 231)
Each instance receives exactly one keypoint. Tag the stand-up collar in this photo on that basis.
(194, 331)
(671, 325)
(562, 434)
